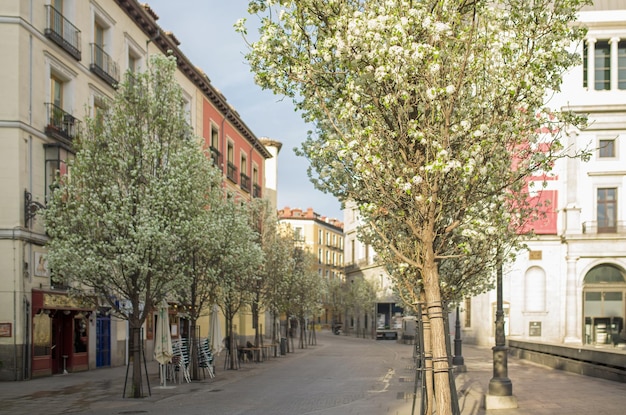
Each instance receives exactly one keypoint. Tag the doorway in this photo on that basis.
(603, 305)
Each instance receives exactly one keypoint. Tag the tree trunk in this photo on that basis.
(432, 294)
(302, 333)
(136, 348)
(428, 363)
(232, 349)
(194, 350)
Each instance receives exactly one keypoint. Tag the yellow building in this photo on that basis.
(324, 238)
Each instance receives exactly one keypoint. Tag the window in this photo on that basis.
(243, 164)
(621, 65)
(134, 54)
(319, 236)
(215, 137)
(133, 63)
(255, 182)
(60, 30)
(244, 181)
(231, 170)
(101, 62)
(57, 157)
(319, 256)
(99, 108)
(602, 63)
(98, 40)
(60, 123)
(606, 148)
(56, 91)
(214, 146)
(607, 210)
(298, 236)
(606, 54)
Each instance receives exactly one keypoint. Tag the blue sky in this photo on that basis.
(205, 30)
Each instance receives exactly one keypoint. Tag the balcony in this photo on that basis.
(231, 172)
(256, 191)
(594, 228)
(62, 32)
(216, 157)
(104, 66)
(61, 125)
(244, 182)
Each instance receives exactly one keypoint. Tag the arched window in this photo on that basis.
(535, 290)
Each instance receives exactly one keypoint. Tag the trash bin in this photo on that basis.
(283, 346)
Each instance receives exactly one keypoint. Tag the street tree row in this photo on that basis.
(142, 217)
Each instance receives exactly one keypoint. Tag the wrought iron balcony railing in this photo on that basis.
(244, 182)
(104, 66)
(62, 32)
(231, 172)
(256, 191)
(61, 124)
(216, 157)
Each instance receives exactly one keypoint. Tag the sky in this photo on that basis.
(207, 37)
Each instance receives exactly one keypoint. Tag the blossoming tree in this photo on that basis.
(118, 220)
(421, 109)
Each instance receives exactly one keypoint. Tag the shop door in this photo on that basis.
(103, 341)
(61, 341)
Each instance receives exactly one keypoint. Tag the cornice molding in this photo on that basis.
(145, 19)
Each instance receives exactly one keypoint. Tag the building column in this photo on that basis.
(591, 64)
(614, 41)
(573, 225)
(572, 316)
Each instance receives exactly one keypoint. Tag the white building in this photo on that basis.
(361, 263)
(571, 287)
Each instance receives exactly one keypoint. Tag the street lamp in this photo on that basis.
(458, 360)
(500, 394)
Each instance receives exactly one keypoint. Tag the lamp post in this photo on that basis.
(458, 360)
(500, 394)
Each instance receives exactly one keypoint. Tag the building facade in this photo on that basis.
(570, 287)
(322, 237)
(361, 263)
(63, 61)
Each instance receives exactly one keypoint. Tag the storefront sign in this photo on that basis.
(5, 330)
(56, 301)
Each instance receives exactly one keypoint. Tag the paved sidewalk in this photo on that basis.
(539, 390)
